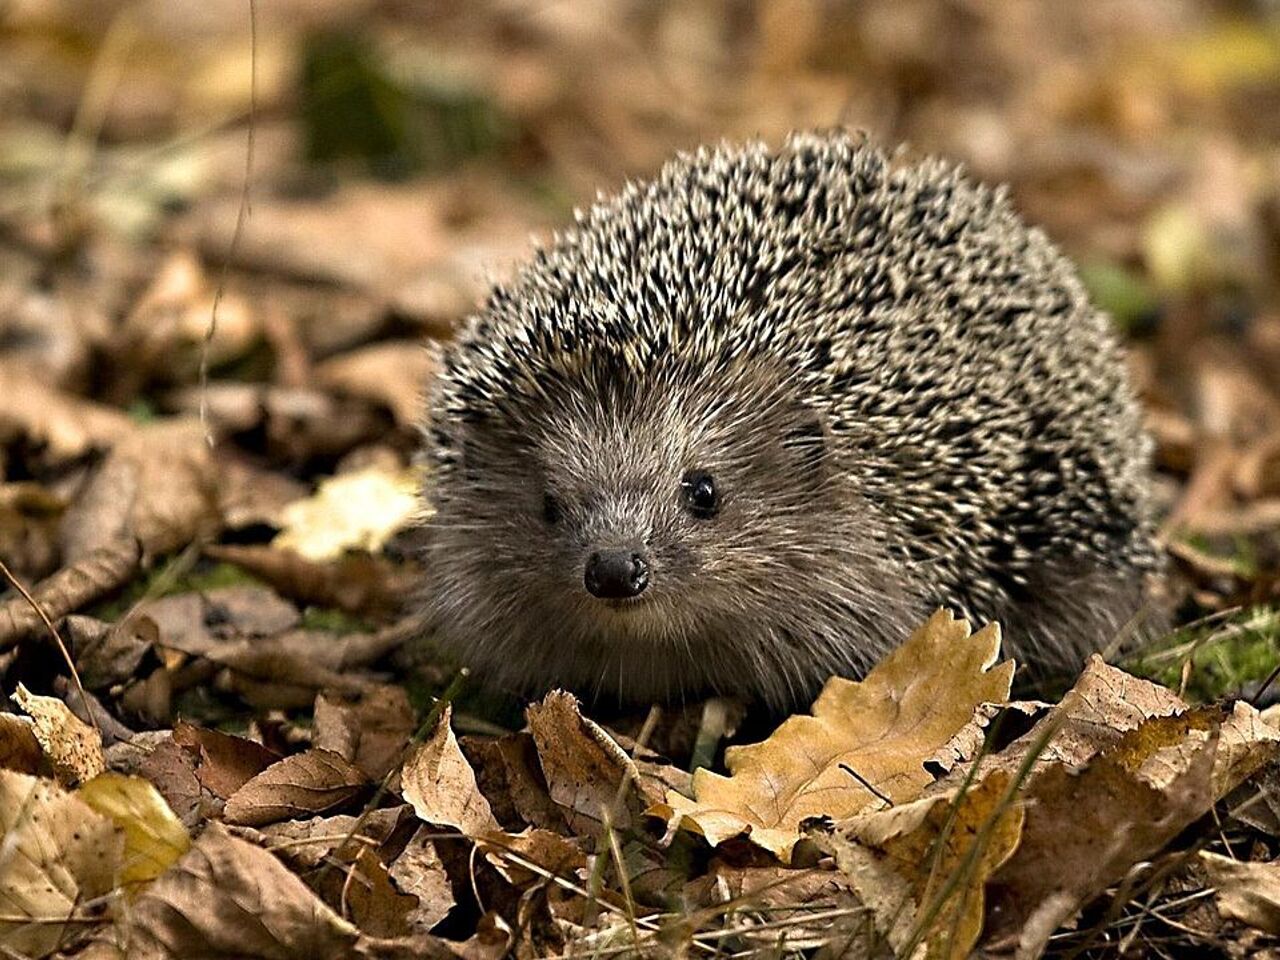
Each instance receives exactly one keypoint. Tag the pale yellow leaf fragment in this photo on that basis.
(154, 838)
(72, 747)
(360, 510)
(878, 731)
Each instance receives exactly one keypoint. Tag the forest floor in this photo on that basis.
(219, 734)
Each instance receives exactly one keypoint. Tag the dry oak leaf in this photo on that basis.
(585, 767)
(154, 838)
(1248, 892)
(1106, 704)
(904, 863)
(72, 747)
(303, 785)
(441, 785)
(56, 858)
(882, 728)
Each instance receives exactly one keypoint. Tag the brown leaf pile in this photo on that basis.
(569, 841)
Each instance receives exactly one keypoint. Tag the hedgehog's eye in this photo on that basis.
(700, 496)
(551, 509)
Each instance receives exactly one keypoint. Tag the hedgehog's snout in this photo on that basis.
(616, 574)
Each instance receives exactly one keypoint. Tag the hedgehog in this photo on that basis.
(747, 423)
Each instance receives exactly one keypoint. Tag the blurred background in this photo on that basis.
(403, 153)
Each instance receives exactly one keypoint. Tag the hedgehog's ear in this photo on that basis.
(807, 440)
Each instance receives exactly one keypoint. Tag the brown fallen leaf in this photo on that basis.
(107, 653)
(196, 623)
(223, 762)
(533, 856)
(29, 518)
(879, 731)
(510, 777)
(371, 732)
(391, 373)
(229, 898)
(419, 872)
(1106, 704)
(309, 843)
(153, 837)
(57, 859)
(358, 583)
(281, 673)
(250, 496)
(1085, 827)
(305, 784)
(1248, 892)
(61, 426)
(298, 424)
(19, 749)
(748, 897)
(372, 901)
(921, 867)
(158, 485)
(439, 782)
(368, 237)
(171, 769)
(72, 747)
(585, 768)
(96, 575)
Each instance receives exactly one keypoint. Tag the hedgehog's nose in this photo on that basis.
(616, 574)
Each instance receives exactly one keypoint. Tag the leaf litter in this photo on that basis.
(228, 765)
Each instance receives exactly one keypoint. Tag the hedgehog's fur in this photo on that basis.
(901, 390)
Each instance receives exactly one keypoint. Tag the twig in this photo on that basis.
(242, 215)
(57, 638)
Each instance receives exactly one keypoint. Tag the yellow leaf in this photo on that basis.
(878, 731)
(154, 838)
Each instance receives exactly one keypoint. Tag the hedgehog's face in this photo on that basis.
(631, 534)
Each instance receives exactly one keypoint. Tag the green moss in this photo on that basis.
(1226, 658)
(333, 620)
(394, 119)
(161, 582)
(1122, 293)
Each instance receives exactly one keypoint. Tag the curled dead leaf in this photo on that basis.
(72, 747)
(587, 771)
(95, 575)
(439, 782)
